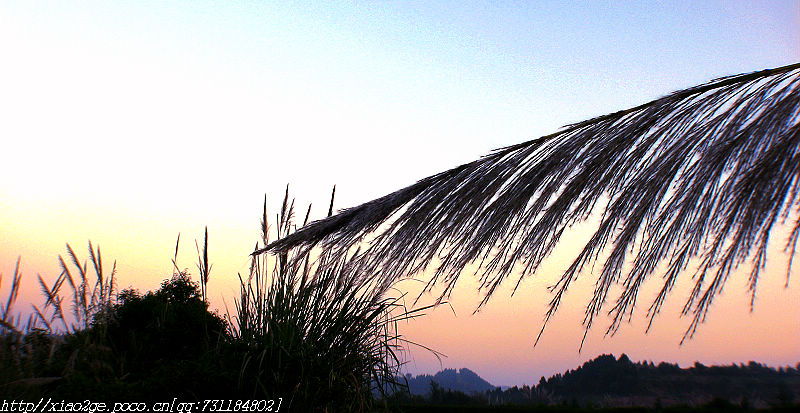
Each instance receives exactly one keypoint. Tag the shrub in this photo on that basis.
(165, 341)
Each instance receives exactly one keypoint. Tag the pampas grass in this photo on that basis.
(702, 175)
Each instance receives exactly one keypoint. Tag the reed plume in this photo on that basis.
(703, 173)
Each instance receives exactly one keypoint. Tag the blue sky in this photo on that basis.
(439, 83)
(128, 122)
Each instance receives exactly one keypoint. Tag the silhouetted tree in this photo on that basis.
(167, 340)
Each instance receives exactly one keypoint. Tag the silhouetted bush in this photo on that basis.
(166, 341)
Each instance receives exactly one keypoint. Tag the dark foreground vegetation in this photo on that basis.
(299, 335)
(307, 339)
(714, 407)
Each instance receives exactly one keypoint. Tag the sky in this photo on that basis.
(126, 123)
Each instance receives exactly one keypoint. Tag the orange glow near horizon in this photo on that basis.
(497, 342)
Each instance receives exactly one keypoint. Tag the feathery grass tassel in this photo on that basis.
(705, 172)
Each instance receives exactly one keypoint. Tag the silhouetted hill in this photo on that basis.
(620, 382)
(463, 380)
(607, 381)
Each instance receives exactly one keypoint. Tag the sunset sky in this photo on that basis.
(126, 123)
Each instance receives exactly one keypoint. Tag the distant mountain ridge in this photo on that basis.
(618, 382)
(463, 380)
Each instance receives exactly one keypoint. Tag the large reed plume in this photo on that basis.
(706, 172)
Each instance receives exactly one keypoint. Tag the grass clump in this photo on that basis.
(326, 341)
(52, 346)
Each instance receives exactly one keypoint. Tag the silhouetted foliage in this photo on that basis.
(606, 380)
(301, 336)
(439, 395)
(700, 175)
(167, 336)
(172, 323)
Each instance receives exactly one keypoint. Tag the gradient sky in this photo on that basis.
(129, 122)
